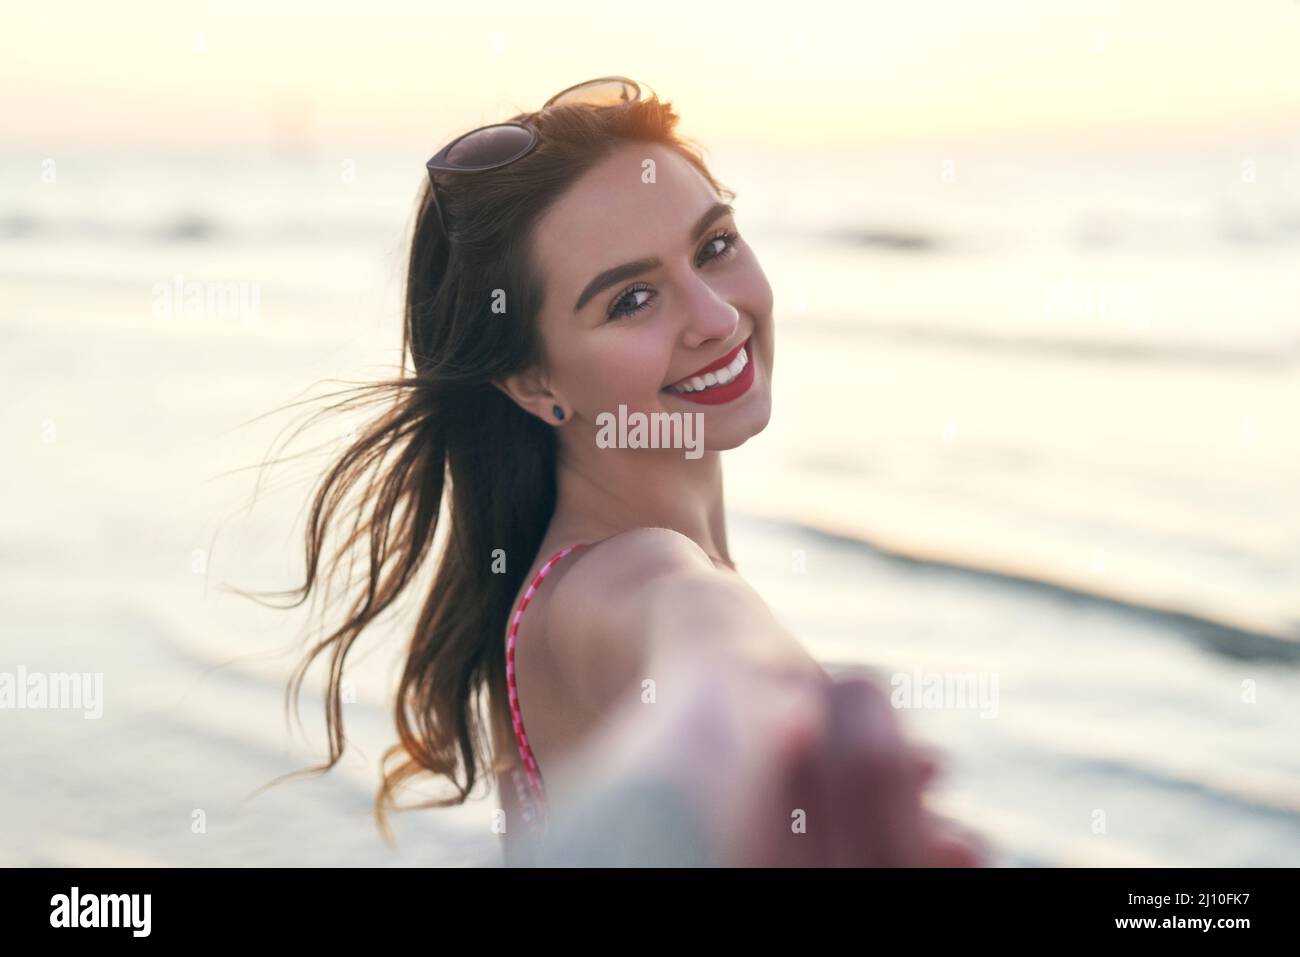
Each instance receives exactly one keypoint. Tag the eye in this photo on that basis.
(731, 237)
(625, 305)
(615, 312)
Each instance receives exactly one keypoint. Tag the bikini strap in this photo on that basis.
(534, 810)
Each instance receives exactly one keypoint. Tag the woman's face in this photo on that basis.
(647, 284)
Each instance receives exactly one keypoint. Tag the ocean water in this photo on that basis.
(1035, 420)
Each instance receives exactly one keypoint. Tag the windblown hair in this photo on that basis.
(446, 432)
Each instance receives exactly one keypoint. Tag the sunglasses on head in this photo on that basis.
(499, 144)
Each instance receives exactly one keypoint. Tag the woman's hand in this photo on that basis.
(800, 770)
(754, 767)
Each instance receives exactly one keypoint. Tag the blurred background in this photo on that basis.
(1036, 414)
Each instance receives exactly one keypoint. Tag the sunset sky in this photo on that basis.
(151, 73)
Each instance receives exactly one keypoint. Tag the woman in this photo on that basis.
(576, 264)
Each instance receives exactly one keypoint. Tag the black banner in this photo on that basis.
(329, 906)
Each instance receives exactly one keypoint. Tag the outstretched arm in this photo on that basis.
(721, 740)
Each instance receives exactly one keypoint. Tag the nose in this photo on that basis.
(708, 316)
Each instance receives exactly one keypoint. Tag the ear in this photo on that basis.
(531, 392)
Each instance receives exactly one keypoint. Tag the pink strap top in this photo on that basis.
(528, 787)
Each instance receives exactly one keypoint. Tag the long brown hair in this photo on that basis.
(446, 432)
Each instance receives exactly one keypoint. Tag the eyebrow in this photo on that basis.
(626, 271)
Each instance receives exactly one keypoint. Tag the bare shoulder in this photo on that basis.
(635, 555)
(596, 618)
(606, 579)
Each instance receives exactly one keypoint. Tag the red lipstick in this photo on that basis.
(723, 392)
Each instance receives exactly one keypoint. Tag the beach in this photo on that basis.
(1051, 447)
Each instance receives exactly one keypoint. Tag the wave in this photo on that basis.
(1221, 638)
(1090, 231)
(911, 241)
(1284, 355)
(193, 228)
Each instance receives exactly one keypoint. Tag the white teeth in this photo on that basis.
(715, 378)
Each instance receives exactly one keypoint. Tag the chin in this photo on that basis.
(734, 428)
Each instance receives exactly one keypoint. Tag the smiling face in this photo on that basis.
(652, 300)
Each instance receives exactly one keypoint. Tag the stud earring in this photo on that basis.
(559, 413)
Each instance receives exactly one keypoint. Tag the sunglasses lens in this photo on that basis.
(488, 147)
(599, 93)
(503, 143)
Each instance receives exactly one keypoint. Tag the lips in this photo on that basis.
(722, 380)
(726, 360)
